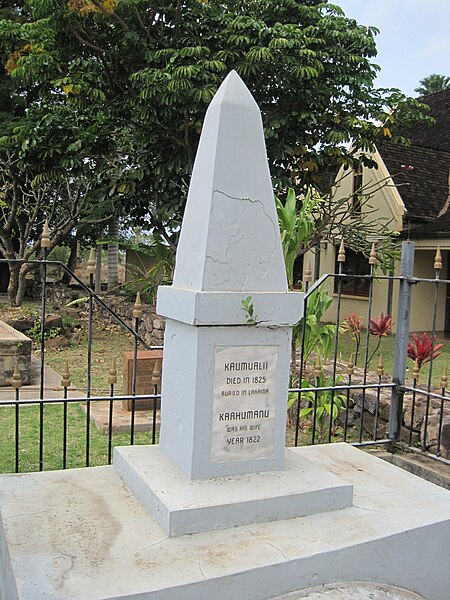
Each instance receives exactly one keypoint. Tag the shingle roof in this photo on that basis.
(421, 171)
(421, 177)
(439, 228)
(433, 136)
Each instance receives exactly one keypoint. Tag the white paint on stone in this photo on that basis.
(352, 591)
(80, 534)
(187, 406)
(216, 308)
(229, 249)
(230, 239)
(183, 506)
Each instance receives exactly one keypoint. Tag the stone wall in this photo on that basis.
(151, 327)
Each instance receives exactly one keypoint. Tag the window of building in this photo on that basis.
(355, 264)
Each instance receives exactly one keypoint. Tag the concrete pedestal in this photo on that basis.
(81, 534)
(183, 506)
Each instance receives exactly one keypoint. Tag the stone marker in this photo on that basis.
(229, 317)
(225, 381)
(145, 364)
(15, 348)
(82, 533)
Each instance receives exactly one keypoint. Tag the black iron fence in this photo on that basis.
(331, 397)
(372, 405)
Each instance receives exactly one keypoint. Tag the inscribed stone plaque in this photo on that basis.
(144, 372)
(244, 403)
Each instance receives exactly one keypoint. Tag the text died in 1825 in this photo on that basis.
(244, 402)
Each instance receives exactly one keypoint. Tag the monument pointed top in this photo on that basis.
(233, 91)
(230, 240)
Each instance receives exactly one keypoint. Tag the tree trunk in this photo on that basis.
(98, 269)
(13, 284)
(113, 255)
(71, 261)
(20, 294)
(17, 283)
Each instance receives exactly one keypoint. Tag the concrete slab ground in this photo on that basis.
(352, 591)
(81, 534)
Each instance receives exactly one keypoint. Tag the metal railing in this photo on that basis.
(332, 399)
(335, 399)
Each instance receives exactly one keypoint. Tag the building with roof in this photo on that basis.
(412, 194)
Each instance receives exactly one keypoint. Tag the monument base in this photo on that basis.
(183, 506)
(82, 534)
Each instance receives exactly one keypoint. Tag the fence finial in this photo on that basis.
(318, 368)
(45, 236)
(380, 367)
(341, 253)
(137, 309)
(65, 379)
(416, 370)
(156, 376)
(438, 259)
(351, 365)
(112, 377)
(373, 255)
(444, 379)
(91, 263)
(308, 272)
(16, 381)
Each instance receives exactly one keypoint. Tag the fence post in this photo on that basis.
(401, 340)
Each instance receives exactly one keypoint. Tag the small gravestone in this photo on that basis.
(145, 364)
(15, 348)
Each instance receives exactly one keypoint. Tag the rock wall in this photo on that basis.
(151, 327)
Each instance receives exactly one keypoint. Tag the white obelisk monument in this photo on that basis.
(147, 526)
(229, 316)
(225, 380)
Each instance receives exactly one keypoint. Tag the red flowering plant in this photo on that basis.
(421, 349)
(380, 327)
(353, 325)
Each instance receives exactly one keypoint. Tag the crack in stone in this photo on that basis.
(27, 514)
(199, 564)
(64, 573)
(268, 543)
(159, 542)
(252, 200)
(237, 237)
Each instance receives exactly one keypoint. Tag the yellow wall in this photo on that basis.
(422, 294)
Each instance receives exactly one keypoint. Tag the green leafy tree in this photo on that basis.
(432, 84)
(152, 70)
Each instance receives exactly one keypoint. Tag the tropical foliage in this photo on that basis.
(353, 326)
(109, 96)
(432, 84)
(423, 349)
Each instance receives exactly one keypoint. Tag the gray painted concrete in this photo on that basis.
(188, 393)
(80, 534)
(183, 506)
(356, 591)
(229, 249)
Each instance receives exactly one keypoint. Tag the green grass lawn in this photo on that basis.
(53, 439)
(109, 341)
